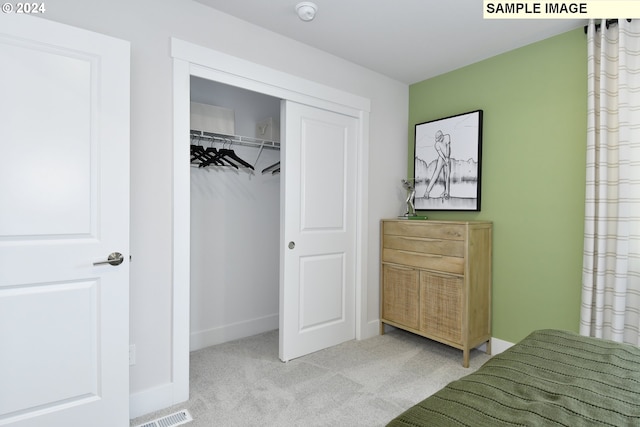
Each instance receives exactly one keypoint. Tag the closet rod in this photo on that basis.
(236, 139)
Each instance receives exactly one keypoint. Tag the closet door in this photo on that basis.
(318, 179)
(64, 208)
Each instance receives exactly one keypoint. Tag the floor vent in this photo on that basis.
(176, 419)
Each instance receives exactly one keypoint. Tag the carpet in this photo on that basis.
(357, 383)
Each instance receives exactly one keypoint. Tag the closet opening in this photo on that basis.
(234, 213)
(300, 99)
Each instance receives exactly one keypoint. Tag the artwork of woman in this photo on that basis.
(447, 163)
(443, 165)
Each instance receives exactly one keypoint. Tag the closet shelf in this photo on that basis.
(235, 139)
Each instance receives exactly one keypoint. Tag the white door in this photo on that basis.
(317, 285)
(64, 206)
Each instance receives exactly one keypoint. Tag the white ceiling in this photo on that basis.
(407, 40)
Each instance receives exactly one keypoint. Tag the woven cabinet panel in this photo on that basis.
(401, 295)
(442, 298)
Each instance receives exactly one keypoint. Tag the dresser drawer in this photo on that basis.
(453, 248)
(433, 230)
(442, 263)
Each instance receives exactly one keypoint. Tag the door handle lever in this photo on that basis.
(114, 258)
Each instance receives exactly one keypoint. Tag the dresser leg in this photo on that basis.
(465, 358)
(488, 348)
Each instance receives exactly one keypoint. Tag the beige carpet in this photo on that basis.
(358, 383)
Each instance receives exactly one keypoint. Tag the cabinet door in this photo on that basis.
(441, 306)
(401, 294)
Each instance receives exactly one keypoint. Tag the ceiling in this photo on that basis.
(407, 40)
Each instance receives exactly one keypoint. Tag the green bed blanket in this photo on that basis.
(550, 378)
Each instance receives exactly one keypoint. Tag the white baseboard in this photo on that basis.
(498, 345)
(371, 329)
(151, 400)
(234, 331)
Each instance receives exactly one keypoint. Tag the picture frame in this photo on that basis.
(448, 163)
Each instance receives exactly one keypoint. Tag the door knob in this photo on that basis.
(292, 245)
(114, 258)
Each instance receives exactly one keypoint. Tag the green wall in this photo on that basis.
(533, 173)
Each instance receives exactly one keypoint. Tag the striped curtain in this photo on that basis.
(611, 267)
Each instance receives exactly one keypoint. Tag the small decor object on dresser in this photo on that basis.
(436, 281)
(409, 185)
(448, 163)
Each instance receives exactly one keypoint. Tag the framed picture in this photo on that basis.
(447, 166)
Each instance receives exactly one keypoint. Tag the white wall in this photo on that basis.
(235, 229)
(249, 107)
(235, 232)
(148, 25)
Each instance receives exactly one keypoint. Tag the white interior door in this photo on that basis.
(64, 206)
(318, 179)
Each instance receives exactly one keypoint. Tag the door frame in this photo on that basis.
(194, 60)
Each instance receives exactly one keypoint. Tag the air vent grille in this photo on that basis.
(171, 420)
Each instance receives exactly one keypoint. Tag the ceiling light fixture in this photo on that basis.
(306, 10)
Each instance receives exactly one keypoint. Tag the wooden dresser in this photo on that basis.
(436, 280)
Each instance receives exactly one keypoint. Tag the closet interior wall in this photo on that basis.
(235, 227)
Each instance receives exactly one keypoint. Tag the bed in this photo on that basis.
(550, 378)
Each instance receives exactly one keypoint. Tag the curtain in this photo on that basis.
(611, 266)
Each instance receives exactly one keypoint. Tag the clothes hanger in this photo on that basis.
(197, 152)
(206, 157)
(269, 168)
(217, 158)
(232, 154)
